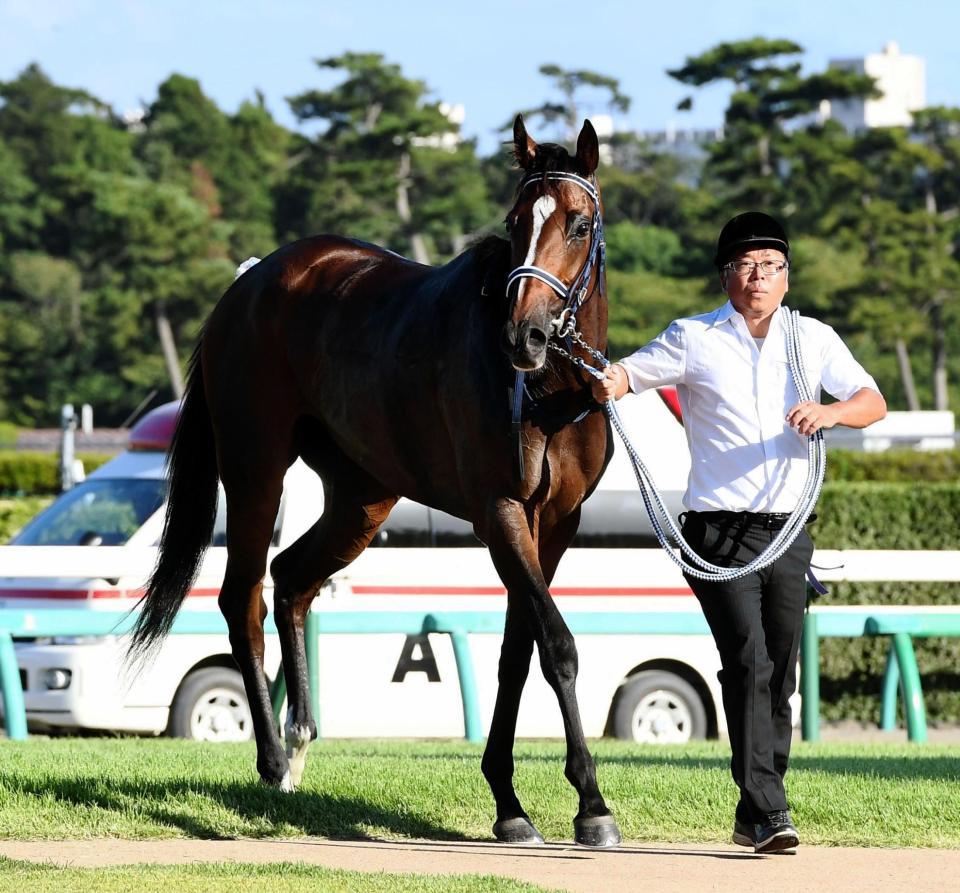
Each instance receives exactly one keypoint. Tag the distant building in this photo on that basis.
(689, 146)
(450, 139)
(686, 143)
(902, 79)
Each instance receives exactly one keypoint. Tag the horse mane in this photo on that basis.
(491, 254)
(490, 248)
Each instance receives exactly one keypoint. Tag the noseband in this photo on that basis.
(575, 294)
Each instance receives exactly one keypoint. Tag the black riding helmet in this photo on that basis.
(748, 231)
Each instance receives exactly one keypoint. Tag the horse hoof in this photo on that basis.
(284, 783)
(596, 831)
(517, 831)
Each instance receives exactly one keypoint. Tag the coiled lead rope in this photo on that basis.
(667, 532)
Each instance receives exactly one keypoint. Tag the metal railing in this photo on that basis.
(456, 624)
(901, 624)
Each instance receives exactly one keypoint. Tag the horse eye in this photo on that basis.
(508, 225)
(583, 228)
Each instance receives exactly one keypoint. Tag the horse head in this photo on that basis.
(556, 240)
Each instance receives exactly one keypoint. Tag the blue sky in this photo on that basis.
(483, 54)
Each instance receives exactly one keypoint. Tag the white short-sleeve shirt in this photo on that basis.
(735, 397)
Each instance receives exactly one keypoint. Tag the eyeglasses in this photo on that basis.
(746, 267)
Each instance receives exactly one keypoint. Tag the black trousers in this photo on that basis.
(756, 622)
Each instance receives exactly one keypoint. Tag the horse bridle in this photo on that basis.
(573, 295)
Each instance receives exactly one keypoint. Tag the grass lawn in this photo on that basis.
(841, 794)
(23, 877)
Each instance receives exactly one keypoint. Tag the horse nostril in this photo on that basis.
(536, 339)
(508, 338)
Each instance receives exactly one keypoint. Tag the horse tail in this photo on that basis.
(188, 524)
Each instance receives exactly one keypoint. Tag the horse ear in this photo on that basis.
(524, 148)
(588, 148)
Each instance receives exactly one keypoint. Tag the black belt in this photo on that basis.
(765, 520)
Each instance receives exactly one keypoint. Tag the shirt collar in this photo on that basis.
(722, 314)
(727, 311)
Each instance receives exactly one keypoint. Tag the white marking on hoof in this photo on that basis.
(298, 738)
(286, 784)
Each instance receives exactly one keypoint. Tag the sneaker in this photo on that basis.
(776, 833)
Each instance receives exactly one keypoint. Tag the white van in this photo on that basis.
(648, 688)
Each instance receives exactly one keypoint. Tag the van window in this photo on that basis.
(97, 512)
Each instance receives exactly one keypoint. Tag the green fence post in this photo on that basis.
(888, 697)
(912, 692)
(13, 708)
(311, 634)
(472, 729)
(810, 679)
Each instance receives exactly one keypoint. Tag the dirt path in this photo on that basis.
(666, 867)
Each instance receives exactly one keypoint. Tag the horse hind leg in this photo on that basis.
(355, 507)
(252, 504)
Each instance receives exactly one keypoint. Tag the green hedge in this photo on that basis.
(30, 474)
(901, 465)
(8, 435)
(15, 512)
(888, 516)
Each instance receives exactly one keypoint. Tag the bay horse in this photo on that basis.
(390, 378)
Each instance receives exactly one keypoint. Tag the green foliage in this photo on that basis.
(38, 473)
(8, 435)
(895, 466)
(15, 512)
(110, 231)
(769, 91)
(20, 213)
(889, 516)
(388, 167)
(631, 248)
(642, 304)
(572, 84)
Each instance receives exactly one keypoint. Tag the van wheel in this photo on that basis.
(656, 707)
(211, 705)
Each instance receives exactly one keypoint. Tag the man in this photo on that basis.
(747, 433)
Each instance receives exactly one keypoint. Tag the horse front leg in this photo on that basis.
(513, 825)
(517, 561)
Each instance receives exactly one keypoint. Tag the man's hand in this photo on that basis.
(808, 417)
(864, 408)
(613, 387)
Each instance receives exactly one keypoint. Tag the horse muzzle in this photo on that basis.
(525, 343)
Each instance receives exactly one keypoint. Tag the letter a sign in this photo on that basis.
(426, 663)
